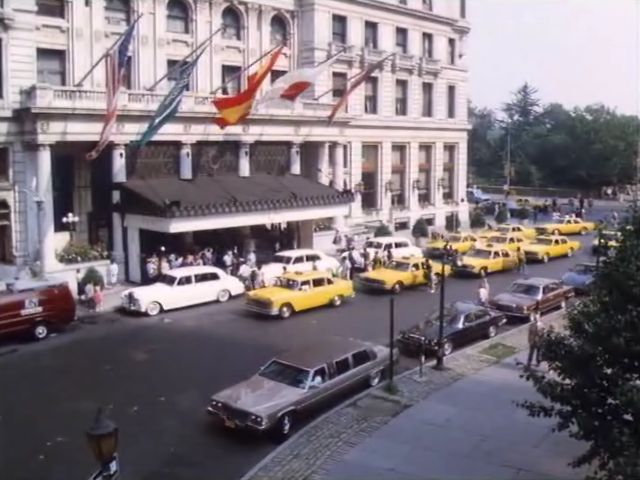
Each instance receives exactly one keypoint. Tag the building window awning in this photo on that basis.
(228, 194)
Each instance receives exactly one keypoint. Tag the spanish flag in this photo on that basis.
(234, 110)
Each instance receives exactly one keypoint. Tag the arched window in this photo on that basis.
(117, 12)
(177, 17)
(231, 23)
(278, 30)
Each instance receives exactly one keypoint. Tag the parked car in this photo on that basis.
(550, 246)
(529, 298)
(298, 291)
(299, 260)
(460, 242)
(399, 247)
(568, 226)
(399, 274)
(37, 306)
(509, 241)
(508, 228)
(182, 287)
(484, 260)
(581, 277)
(608, 241)
(476, 195)
(297, 382)
(464, 322)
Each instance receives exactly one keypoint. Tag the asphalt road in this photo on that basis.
(158, 373)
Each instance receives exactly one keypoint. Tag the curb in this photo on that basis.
(375, 391)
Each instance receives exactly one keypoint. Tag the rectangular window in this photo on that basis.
(276, 74)
(360, 358)
(173, 71)
(401, 97)
(463, 8)
(371, 96)
(370, 177)
(401, 40)
(425, 162)
(427, 99)
(427, 5)
(339, 29)
(427, 45)
(448, 170)
(4, 164)
(230, 79)
(451, 54)
(50, 8)
(371, 35)
(206, 277)
(451, 101)
(398, 175)
(338, 84)
(343, 366)
(126, 77)
(402, 2)
(51, 66)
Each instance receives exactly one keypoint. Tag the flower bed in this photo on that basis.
(79, 253)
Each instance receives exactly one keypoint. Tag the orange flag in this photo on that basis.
(235, 109)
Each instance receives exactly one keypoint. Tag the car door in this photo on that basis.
(184, 293)
(344, 375)
(466, 333)
(304, 297)
(314, 259)
(321, 292)
(416, 273)
(559, 247)
(209, 285)
(318, 389)
(548, 298)
(300, 264)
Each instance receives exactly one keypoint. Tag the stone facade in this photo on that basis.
(47, 115)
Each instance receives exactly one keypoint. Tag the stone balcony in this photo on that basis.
(429, 66)
(56, 99)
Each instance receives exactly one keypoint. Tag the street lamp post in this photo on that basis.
(70, 221)
(448, 255)
(102, 437)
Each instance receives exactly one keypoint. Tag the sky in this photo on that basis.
(575, 52)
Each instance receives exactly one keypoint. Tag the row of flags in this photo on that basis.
(232, 110)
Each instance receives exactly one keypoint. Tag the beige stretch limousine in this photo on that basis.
(297, 381)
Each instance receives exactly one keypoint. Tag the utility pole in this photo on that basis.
(508, 156)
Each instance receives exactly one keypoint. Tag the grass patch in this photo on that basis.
(499, 351)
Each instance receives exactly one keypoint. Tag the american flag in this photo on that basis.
(116, 64)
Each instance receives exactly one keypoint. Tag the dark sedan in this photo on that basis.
(464, 322)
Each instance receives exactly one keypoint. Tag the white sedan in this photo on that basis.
(300, 260)
(182, 287)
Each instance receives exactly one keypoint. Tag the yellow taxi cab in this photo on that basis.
(510, 242)
(550, 246)
(483, 260)
(400, 273)
(568, 226)
(508, 228)
(461, 242)
(298, 291)
(610, 240)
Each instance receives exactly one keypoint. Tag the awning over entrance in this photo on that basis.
(204, 196)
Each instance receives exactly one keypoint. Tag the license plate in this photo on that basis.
(229, 423)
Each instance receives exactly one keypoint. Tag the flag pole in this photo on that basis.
(177, 66)
(103, 56)
(233, 77)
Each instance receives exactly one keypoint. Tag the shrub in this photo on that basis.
(476, 219)
(93, 276)
(523, 213)
(502, 216)
(81, 252)
(382, 231)
(420, 229)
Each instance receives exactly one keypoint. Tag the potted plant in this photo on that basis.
(476, 219)
(382, 231)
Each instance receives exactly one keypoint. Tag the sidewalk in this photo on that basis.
(112, 302)
(458, 423)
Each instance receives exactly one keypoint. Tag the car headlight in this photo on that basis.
(256, 420)
(216, 405)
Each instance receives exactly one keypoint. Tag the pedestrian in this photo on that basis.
(554, 204)
(430, 276)
(485, 284)
(483, 295)
(337, 239)
(536, 211)
(253, 279)
(244, 272)
(614, 218)
(366, 259)
(112, 273)
(345, 268)
(534, 337)
(251, 259)
(79, 285)
(389, 256)
(581, 201)
(98, 298)
(164, 265)
(377, 261)
(227, 261)
(522, 261)
(260, 278)
(151, 267)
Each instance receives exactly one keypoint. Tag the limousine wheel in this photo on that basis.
(40, 331)
(483, 272)
(153, 309)
(224, 295)
(447, 348)
(283, 428)
(492, 331)
(336, 301)
(374, 378)
(285, 311)
(583, 231)
(397, 287)
(545, 258)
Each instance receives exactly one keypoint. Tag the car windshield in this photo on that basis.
(525, 289)
(480, 253)
(284, 259)
(455, 238)
(497, 240)
(399, 266)
(373, 244)
(583, 269)
(544, 241)
(281, 372)
(167, 279)
(504, 229)
(287, 283)
(452, 316)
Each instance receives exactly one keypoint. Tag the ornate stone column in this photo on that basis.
(244, 159)
(118, 177)
(295, 165)
(46, 239)
(186, 162)
(337, 161)
(322, 171)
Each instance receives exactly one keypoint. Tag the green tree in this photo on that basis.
(382, 231)
(485, 158)
(503, 215)
(476, 219)
(524, 108)
(420, 229)
(592, 388)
